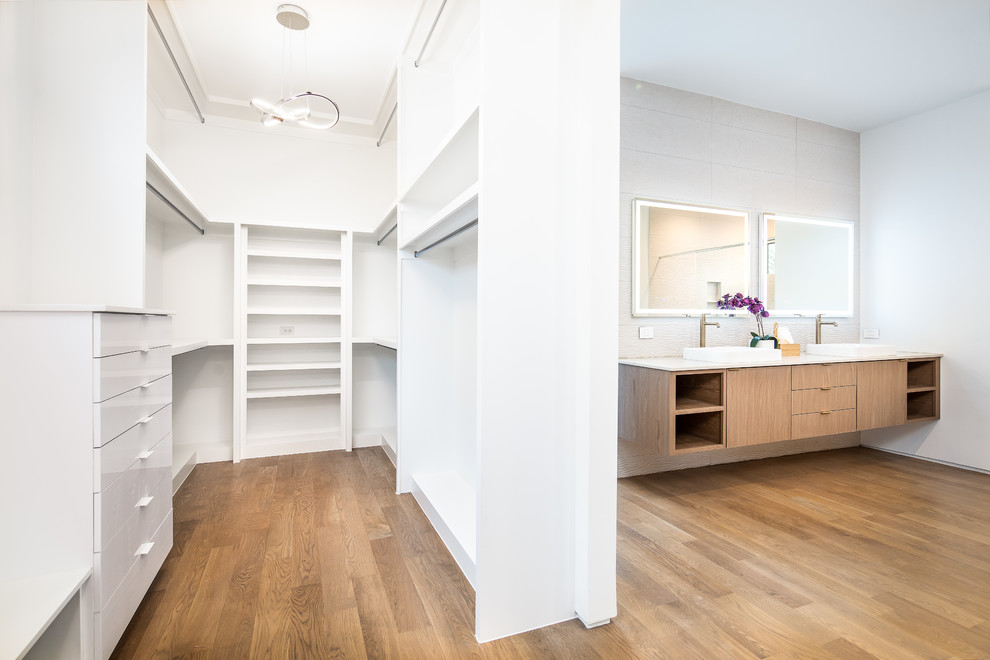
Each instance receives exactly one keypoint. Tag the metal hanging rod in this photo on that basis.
(429, 35)
(174, 208)
(388, 233)
(387, 122)
(202, 119)
(449, 236)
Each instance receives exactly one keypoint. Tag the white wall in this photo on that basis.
(238, 172)
(73, 151)
(684, 147)
(926, 195)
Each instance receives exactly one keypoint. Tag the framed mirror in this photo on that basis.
(685, 257)
(806, 265)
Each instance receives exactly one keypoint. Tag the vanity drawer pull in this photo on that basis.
(144, 501)
(145, 455)
(144, 549)
(826, 412)
(825, 389)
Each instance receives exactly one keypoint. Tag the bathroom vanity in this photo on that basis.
(676, 413)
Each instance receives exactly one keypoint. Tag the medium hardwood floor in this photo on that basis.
(845, 554)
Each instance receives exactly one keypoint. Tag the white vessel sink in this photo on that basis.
(851, 350)
(732, 354)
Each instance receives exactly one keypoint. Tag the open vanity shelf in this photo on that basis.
(699, 411)
(922, 390)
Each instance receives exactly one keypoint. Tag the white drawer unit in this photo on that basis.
(85, 401)
(132, 470)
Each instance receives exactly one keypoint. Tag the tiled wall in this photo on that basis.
(684, 147)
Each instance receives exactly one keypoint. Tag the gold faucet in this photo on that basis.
(818, 327)
(704, 324)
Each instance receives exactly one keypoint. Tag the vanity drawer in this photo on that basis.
(113, 561)
(808, 376)
(124, 498)
(112, 618)
(117, 374)
(113, 458)
(817, 400)
(812, 425)
(114, 416)
(122, 333)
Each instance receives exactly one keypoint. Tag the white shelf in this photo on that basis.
(29, 605)
(449, 503)
(159, 177)
(452, 166)
(388, 222)
(460, 211)
(298, 311)
(292, 340)
(320, 284)
(293, 366)
(384, 342)
(286, 392)
(290, 254)
(180, 346)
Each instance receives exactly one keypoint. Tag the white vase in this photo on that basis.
(764, 343)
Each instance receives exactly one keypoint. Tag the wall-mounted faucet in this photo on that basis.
(704, 324)
(818, 327)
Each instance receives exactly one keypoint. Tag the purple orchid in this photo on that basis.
(754, 306)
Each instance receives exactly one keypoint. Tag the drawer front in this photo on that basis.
(115, 457)
(815, 424)
(813, 401)
(117, 374)
(807, 376)
(116, 614)
(122, 499)
(120, 553)
(122, 333)
(114, 416)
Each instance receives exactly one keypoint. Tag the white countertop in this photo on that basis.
(680, 364)
(29, 605)
(85, 308)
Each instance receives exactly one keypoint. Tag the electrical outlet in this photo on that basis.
(287, 331)
(871, 333)
(646, 332)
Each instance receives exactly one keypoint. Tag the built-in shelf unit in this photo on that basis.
(922, 390)
(699, 412)
(291, 340)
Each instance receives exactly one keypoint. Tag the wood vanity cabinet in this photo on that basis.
(881, 394)
(758, 405)
(823, 399)
(643, 417)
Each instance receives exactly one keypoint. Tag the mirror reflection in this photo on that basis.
(686, 257)
(807, 265)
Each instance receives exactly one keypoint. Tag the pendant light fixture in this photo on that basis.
(296, 108)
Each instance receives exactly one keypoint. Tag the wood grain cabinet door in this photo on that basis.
(881, 393)
(643, 401)
(757, 405)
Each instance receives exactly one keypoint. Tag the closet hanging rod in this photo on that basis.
(449, 236)
(202, 119)
(429, 34)
(174, 208)
(388, 233)
(387, 122)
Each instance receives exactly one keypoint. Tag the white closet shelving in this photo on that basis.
(293, 356)
(189, 270)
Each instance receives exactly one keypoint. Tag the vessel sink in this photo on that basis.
(732, 354)
(851, 350)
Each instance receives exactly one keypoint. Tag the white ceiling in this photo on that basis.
(235, 53)
(856, 64)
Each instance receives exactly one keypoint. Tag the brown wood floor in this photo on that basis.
(846, 554)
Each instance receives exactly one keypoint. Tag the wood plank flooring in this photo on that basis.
(845, 554)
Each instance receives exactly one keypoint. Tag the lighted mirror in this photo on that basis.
(685, 257)
(807, 266)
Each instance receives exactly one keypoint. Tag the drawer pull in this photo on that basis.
(826, 412)
(146, 419)
(145, 350)
(144, 501)
(144, 549)
(145, 455)
(825, 389)
(145, 386)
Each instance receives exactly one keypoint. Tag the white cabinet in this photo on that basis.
(88, 394)
(291, 341)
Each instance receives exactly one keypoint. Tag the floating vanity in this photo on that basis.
(677, 413)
